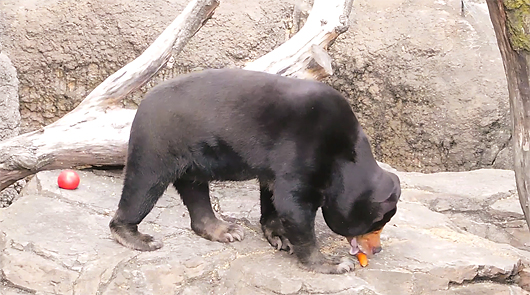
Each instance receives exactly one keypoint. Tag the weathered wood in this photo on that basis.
(97, 131)
(327, 20)
(513, 37)
(300, 13)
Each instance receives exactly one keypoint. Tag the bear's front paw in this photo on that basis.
(275, 234)
(129, 236)
(331, 265)
(220, 231)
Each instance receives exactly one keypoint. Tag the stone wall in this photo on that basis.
(424, 77)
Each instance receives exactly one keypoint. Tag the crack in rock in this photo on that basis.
(5, 282)
(88, 207)
(102, 287)
(31, 248)
(488, 273)
(502, 147)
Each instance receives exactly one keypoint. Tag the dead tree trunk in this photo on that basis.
(509, 20)
(97, 131)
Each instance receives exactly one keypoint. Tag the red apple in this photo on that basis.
(68, 179)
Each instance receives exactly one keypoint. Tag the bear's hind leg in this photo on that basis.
(140, 193)
(196, 196)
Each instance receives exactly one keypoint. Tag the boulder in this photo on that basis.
(427, 82)
(9, 114)
(55, 241)
(425, 77)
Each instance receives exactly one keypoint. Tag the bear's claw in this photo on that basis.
(129, 236)
(220, 231)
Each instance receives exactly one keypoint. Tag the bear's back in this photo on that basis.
(228, 95)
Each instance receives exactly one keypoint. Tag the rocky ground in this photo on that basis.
(454, 233)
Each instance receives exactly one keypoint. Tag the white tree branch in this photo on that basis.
(138, 72)
(304, 55)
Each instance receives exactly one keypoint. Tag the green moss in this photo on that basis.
(514, 4)
(518, 23)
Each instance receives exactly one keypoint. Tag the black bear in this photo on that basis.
(299, 138)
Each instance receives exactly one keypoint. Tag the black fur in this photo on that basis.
(298, 137)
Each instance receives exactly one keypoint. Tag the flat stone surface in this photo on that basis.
(482, 202)
(468, 191)
(55, 241)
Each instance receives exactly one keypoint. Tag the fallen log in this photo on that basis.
(96, 132)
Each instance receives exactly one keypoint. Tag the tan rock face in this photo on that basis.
(424, 77)
(427, 83)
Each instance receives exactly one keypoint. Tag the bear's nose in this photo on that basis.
(376, 250)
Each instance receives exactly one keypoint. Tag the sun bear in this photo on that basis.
(299, 138)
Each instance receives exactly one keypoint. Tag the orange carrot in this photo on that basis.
(363, 259)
